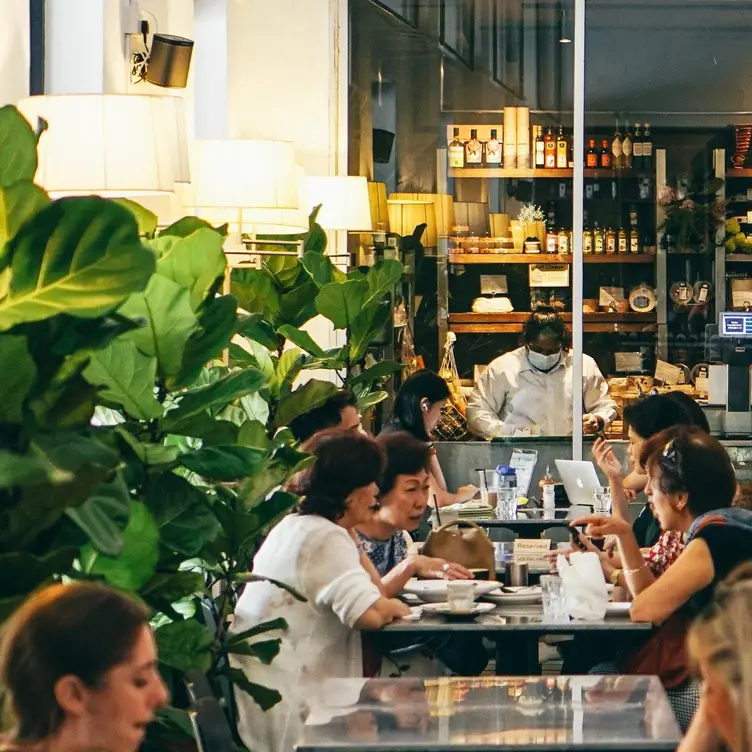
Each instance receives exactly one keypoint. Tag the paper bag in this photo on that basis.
(584, 585)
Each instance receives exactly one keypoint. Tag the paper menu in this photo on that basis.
(667, 373)
(524, 461)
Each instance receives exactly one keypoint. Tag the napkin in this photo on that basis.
(584, 586)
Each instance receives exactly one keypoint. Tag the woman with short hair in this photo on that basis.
(78, 666)
(313, 553)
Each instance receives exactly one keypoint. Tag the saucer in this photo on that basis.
(444, 610)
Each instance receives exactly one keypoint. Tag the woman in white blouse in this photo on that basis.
(314, 553)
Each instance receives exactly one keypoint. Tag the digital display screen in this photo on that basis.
(736, 325)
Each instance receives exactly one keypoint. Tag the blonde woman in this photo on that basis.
(720, 642)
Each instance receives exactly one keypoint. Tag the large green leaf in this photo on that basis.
(223, 462)
(29, 470)
(17, 375)
(365, 328)
(286, 270)
(135, 564)
(170, 587)
(169, 320)
(188, 225)
(18, 147)
(145, 218)
(369, 400)
(23, 572)
(210, 430)
(213, 396)
(18, 203)
(186, 520)
(305, 398)
(80, 256)
(257, 293)
(217, 320)
(320, 269)
(302, 339)
(341, 302)
(277, 469)
(194, 262)
(262, 358)
(376, 372)
(381, 279)
(287, 369)
(254, 327)
(126, 377)
(298, 306)
(184, 645)
(253, 434)
(104, 516)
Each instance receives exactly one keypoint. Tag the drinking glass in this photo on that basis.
(602, 500)
(554, 599)
(506, 504)
(461, 595)
(488, 485)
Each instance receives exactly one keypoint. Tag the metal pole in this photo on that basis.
(577, 201)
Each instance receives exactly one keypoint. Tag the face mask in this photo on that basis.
(543, 362)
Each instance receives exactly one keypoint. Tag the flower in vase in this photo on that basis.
(667, 195)
(530, 213)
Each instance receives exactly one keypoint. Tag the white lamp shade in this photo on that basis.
(244, 174)
(109, 144)
(344, 202)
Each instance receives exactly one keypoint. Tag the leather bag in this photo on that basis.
(462, 542)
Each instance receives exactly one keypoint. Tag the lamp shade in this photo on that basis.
(443, 204)
(405, 215)
(344, 202)
(473, 215)
(109, 144)
(379, 208)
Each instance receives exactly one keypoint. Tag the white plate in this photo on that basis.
(443, 608)
(618, 608)
(435, 591)
(520, 595)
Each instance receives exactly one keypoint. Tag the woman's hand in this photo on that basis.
(599, 526)
(438, 569)
(606, 460)
(466, 493)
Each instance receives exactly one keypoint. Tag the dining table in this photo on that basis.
(562, 714)
(516, 631)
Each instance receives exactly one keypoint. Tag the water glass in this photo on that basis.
(461, 596)
(506, 504)
(488, 486)
(554, 599)
(602, 500)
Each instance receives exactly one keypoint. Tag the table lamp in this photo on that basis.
(344, 202)
(443, 204)
(406, 214)
(112, 145)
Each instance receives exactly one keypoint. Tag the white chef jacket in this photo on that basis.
(512, 395)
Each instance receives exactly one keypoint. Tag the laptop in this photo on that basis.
(580, 480)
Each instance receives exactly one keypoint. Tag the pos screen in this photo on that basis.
(736, 325)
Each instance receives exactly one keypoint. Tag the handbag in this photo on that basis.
(664, 653)
(468, 545)
(452, 425)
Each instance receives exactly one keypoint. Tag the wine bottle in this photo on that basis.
(637, 148)
(626, 150)
(562, 150)
(456, 151)
(492, 153)
(605, 155)
(647, 149)
(540, 148)
(550, 149)
(591, 156)
(616, 154)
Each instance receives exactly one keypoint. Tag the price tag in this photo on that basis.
(667, 373)
(628, 362)
(530, 550)
(610, 296)
(549, 275)
(702, 384)
(493, 284)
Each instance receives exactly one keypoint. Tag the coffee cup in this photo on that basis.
(461, 596)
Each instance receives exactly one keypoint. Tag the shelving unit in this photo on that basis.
(548, 258)
(512, 323)
(532, 174)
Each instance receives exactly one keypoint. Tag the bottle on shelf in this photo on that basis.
(456, 151)
(626, 150)
(540, 147)
(570, 150)
(622, 243)
(492, 155)
(591, 155)
(633, 216)
(647, 149)
(587, 235)
(562, 150)
(634, 240)
(473, 150)
(616, 153)
(565, 241)
(605, 155)
(599, 240)
(610, 241)
(637, 148)
(552, 240)
(549, 142)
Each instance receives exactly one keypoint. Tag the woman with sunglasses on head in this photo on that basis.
(417, 411)
(314, 554)
(531, 388)
(720, 645)
(691, 487)
(78, 669)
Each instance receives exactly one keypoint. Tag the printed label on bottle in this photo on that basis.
(626, 147)
(606, 160)
(473, 153)
(638, 148)
(616, 148)
(592, 160)
(540, 155)
(587, 243)
(610, 244)
(564, 243)
(622, 245)
(493, 153)
(456, 156)
(599, 243)
(647, 149)
(634, 244)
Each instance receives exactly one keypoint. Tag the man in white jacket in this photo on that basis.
(530, 389)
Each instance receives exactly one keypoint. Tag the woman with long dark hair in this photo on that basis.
(417, 411)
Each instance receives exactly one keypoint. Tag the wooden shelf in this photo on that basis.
(745, 172)
(512, 323)
(743, 257)
(548, 258)
(531, 174)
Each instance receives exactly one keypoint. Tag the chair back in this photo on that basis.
(502, 534)
(557, 534)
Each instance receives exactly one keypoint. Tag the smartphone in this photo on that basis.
(601, 435)
(577, 541)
